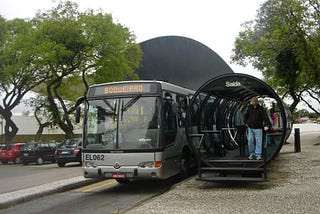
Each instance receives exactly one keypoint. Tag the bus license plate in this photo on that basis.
(118, 175)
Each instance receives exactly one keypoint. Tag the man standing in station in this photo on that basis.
(256, 120)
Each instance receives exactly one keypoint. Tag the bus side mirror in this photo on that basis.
(78, 114)
(78, 109)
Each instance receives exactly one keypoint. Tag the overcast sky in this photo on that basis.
(214, 23)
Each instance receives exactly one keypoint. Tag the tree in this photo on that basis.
(43, 117)
(19, 68)
(283, 43)
(80, 49)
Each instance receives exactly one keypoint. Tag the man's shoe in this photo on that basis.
(251, 157)
(258, 157)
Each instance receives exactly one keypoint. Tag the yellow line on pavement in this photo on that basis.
(100, 185)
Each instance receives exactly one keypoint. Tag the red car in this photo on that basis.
(11, 153)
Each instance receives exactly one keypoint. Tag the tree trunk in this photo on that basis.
(10, 128)
(69, 134)
(68, 130)
(40, 130)
(296, 99)
(60, 118)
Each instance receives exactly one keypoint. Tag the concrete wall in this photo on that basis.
(28, 127)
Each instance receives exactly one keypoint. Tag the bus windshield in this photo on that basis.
(123, 123)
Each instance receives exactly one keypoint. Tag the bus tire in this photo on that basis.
(122, 180)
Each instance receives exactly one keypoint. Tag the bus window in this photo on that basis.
(195, 109)
(101, 122)
(139, 125)
(170, 123)
(136, 126)
(182, 108)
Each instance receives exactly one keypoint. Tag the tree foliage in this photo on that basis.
(283, 43)
(19, 68)
(59, 53)
(82, 48)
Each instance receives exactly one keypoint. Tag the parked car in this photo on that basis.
(69, 151)
(38, 152)
(11, 152)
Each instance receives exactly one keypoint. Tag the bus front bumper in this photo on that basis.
(125, 172)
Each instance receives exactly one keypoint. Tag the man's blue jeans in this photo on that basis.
(255, 141)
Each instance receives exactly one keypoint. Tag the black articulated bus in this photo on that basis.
(136, 130)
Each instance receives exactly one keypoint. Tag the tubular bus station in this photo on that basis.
(216, 132)
(214, 121)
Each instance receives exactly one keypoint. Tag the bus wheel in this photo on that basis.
(185, 165)
(122, 180)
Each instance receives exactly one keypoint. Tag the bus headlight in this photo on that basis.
(150, 164)
(90, 164)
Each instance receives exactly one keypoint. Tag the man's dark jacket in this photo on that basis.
(256, 117)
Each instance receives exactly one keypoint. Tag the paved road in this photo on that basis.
(17, 176)
(106, 196)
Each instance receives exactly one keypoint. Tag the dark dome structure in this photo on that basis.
(181, 61)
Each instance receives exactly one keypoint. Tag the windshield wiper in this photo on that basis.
(130, 103)
(111, 107)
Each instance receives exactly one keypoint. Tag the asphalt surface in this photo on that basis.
(11, 198)
(15, 177)
(293, 187)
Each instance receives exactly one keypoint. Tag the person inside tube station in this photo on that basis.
(256, 121)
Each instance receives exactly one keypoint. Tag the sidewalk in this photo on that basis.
(293, 186)
(10, 198)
